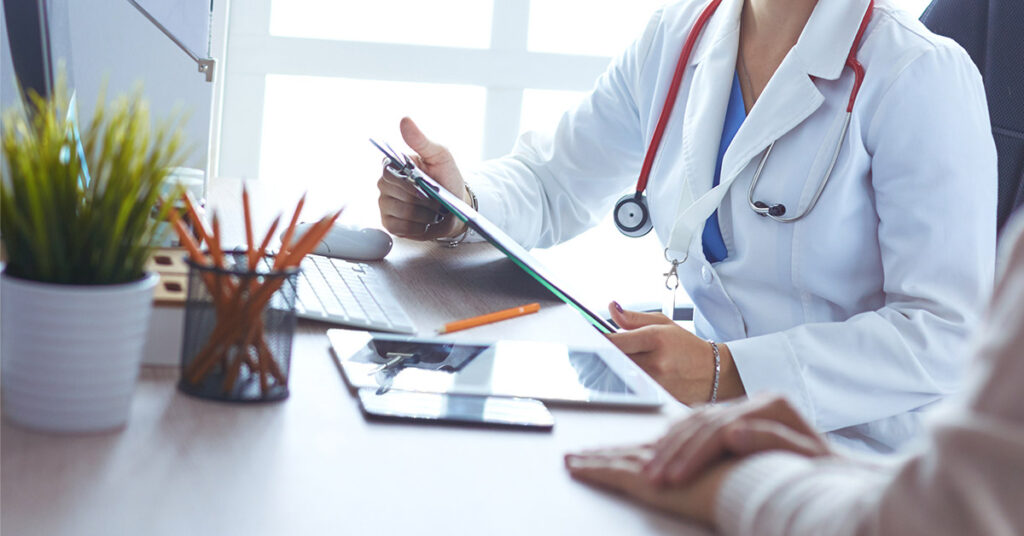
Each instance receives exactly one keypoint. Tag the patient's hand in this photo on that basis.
(678, 360)
(713, 434)
(683, 471)
(621, 470)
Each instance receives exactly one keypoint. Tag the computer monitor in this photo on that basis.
(40, 44)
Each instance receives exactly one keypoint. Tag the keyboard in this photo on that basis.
(348, 293)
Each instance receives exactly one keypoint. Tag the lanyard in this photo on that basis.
(696, 213)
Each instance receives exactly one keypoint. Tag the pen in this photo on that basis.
(488, 318)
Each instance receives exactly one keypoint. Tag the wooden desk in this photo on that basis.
(312, 465)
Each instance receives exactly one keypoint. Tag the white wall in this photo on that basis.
(112, 42)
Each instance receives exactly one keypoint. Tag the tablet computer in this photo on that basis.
(403, 167)
(551, 372)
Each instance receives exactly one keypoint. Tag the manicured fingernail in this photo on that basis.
(618, 307)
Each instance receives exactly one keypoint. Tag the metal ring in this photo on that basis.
(674, 261)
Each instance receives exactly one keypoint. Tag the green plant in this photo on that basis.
(59, 227)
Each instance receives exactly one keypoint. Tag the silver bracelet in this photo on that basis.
(718, 370)
(454, 242)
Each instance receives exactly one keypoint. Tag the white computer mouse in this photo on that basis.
(351, 242)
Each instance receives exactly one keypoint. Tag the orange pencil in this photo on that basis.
(489, 318)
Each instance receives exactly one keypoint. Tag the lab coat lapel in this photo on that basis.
(715, 65)
(789, 98)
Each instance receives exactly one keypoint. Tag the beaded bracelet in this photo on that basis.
(718, 370)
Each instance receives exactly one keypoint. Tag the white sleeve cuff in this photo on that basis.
(768, 364)
(487, 198)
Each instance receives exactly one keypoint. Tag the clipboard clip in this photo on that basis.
(400, 165)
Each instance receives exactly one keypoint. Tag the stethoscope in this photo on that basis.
(632, 215)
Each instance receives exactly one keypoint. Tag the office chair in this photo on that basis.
(992, 32)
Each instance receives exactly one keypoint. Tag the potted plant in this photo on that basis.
(78, 224)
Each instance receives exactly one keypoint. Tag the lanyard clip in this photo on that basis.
(672, 276)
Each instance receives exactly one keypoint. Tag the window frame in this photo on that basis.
(505, 70)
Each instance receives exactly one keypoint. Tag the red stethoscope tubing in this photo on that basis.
(684, 59)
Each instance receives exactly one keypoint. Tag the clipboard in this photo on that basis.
(493, 234)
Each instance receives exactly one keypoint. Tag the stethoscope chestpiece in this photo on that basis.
(775, 211)
(632, 217)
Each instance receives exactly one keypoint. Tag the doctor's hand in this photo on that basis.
(680, 361)
(406, 212)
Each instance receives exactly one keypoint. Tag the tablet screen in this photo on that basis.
(506, 368)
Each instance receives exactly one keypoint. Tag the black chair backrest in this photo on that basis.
(992, 32)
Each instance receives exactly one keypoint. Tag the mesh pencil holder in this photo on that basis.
(239, 325)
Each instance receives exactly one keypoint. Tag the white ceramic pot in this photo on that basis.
(70, 354)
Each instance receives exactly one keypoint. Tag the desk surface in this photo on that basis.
(311, 464)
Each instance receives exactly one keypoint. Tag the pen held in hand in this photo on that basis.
(489, 318)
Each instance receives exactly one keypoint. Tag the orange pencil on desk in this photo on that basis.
(489, 318)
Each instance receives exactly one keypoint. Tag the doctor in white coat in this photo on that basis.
(856, 310)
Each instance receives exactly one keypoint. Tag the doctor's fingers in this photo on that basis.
(417, 230)
(404, 210)
(430, 152)
(402, 189)
(648, 362)
(628, 319)
(641, 340)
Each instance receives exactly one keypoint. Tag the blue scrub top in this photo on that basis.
(735, 113)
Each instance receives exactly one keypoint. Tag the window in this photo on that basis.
(307, 81)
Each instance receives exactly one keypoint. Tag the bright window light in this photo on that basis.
(587, 27)
(315, 129)
(447, 23)
(543, 107)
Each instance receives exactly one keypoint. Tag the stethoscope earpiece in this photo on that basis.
(632, 217)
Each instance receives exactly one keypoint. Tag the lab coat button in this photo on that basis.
(706, 275)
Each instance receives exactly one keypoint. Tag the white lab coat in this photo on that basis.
(858, 311)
